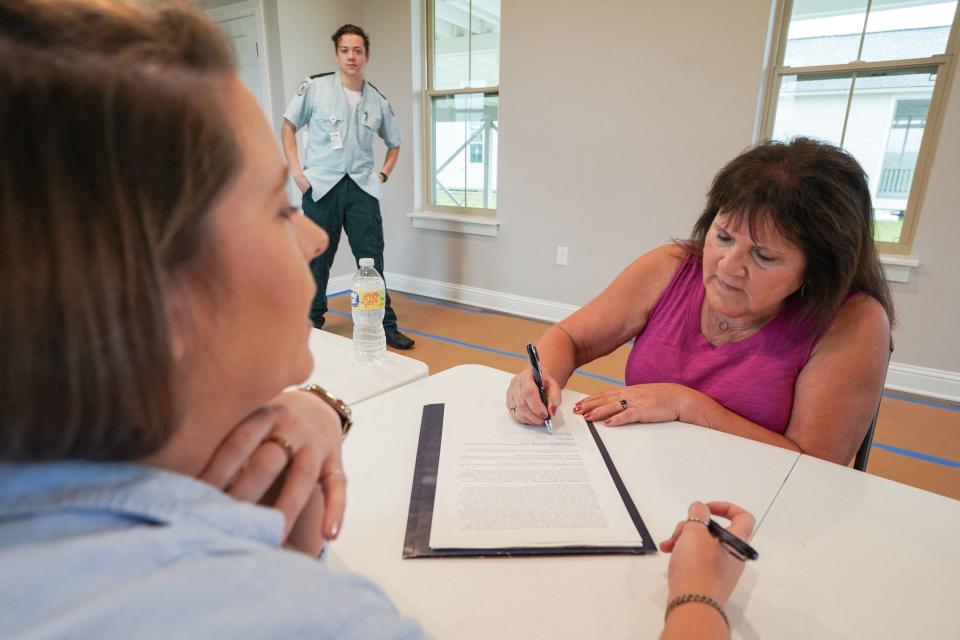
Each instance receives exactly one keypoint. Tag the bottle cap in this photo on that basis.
(366, 262)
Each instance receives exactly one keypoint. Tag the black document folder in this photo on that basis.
(420, 517)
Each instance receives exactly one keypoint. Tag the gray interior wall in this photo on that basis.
(614, 118)
(929, 305)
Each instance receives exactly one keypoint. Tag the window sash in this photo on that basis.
(430, 94)
(942, 62)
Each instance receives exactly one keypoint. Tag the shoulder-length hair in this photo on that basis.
(816, 196)
(115, 146)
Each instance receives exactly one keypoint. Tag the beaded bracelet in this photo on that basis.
(696, 597)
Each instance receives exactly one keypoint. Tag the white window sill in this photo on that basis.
(458, 223)
(898, 268)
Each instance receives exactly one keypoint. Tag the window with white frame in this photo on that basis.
(867, 75)
(463, 78)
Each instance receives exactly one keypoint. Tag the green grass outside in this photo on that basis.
(474, 199)
(887, 230)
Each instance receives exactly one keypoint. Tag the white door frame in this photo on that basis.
(245, 8)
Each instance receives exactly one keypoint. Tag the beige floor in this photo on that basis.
(497, 340)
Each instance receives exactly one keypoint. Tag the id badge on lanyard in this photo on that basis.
(335, 139)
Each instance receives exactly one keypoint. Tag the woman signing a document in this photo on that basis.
(771, 322)
(154, 298)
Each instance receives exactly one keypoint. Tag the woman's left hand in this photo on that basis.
(660, 402)
(286, 454)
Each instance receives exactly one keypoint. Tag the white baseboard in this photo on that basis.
(534, 308)
(934, 383)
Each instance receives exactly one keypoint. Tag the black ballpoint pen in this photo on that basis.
(538, 378)
(734, 545)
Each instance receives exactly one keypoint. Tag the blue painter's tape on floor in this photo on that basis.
(923, 401)
(479, 347)
(917, 455)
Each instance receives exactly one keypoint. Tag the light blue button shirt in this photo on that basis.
(322, 105)
(127, 551)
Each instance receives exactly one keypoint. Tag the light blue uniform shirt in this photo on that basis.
(127, 551)
(322, 105)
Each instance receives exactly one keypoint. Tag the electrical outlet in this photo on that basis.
(562, 256)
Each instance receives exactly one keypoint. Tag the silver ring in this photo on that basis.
(700, 520)
(623, 404)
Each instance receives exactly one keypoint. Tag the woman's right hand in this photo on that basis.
(699, 563)
(523, 398)
(286, 454)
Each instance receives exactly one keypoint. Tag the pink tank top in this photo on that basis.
(753, 377)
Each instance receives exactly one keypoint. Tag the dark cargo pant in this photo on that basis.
(350, 208)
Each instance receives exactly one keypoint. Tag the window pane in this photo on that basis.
(896, 32)
(485, 43)
(812, 105)
(451, 51)
(464, 162)
(822, 33)
(888, 115)
(466, 43)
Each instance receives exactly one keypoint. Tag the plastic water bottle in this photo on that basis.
(368, 297)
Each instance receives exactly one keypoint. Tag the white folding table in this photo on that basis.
(335, 369)
(845, 554)
(664, 467)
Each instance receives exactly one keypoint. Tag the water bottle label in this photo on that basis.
(368, 300)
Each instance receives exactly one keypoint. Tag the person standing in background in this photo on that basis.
(340, 185)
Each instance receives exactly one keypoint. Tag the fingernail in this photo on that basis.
(606, 422)
(576, 409)
(334, 530)
(553, 410)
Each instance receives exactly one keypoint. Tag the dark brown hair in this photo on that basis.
(115, 146)
(354, 30)
(816, 196)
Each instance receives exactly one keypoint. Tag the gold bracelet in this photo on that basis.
(695, 597)
(338, 405)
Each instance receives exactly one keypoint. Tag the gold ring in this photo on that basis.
(283, 443)
(513, 409)
(623, 405)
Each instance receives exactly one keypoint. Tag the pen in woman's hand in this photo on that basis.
(731, 543)
(538, 378)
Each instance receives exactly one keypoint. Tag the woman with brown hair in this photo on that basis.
(772, 322)
(154, 301)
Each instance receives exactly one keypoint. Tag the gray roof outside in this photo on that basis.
(896, 45)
